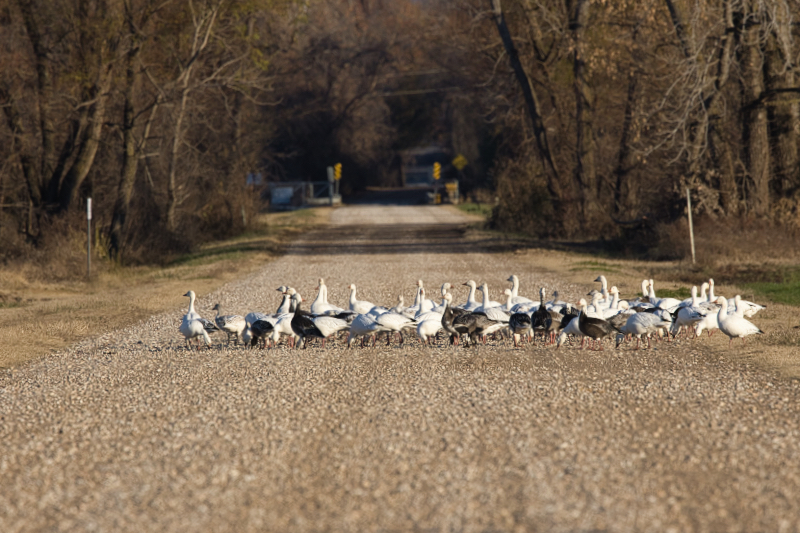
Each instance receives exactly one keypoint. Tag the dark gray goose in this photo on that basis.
(594, 328)
(520, 324)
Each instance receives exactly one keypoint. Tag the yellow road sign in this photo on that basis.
(460, 162)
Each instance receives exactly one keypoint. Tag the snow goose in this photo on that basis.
(283, 327)
(420, 297)
(230, 324)
(471, 304)
(359, 306)
(474, 325)
(592, 327)
(321, 306)
(428, 328)
(395, 323)
(305, 325)
(487, 303)
(570, 326)
(520, 325)
(362, 326)
(192, 328)
(541, 319)
(515, 297)
(208, 325)
(645, 324)
(744, 308)
(448, 316)
(604, 289)
(688, 315)
(555, 304)
(733, 325)
(669, 304)
(260, 331)
(425, 307)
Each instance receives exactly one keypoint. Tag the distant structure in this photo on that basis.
(416, 167)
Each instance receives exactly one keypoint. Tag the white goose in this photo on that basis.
(230, 324)
(689, 315)
(420, 297)
(362, 326)
(604, 290)
(320, 305)
(664, 303)
(428, 328)
(734, 325)
(570, 329)
(395, 323)
(359, 306)
(472, 303)
(515, 297)
(487, 303)
(193, 325)
(645, 324)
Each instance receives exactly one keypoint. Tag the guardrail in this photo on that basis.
(296, 194)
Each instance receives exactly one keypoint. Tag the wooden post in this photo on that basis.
(88, 237)
(691, 228)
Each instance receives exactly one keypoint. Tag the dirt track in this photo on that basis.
(131, 432)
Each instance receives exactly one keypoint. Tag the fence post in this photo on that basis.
(691, 227)
(88, 237)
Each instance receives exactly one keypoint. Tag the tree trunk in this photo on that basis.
(172, 183)
(531, 101)
(129, 162)
(585, 171)
(784, 119)
(88, 149)
(625, 190)
(756, 135)
(44, 86)
(202, 32)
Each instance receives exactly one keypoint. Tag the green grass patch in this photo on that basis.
(483, 210)
(595, 266)
(787, 293)
(680, 293)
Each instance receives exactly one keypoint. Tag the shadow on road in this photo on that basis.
(405, 239)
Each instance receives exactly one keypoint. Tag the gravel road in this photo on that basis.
(132, 432)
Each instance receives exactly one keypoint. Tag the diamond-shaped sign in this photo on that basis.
(459, 162)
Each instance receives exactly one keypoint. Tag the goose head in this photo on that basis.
(190, 294)
(282, 289)
(541, 294)
(445, 288)
(471, 284)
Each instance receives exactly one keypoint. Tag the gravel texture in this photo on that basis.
(132, 432)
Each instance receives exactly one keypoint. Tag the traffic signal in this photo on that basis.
(337, 171)
(437, 171)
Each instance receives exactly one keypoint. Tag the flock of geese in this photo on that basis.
(518, 318)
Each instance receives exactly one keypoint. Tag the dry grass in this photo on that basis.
(38, 315)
